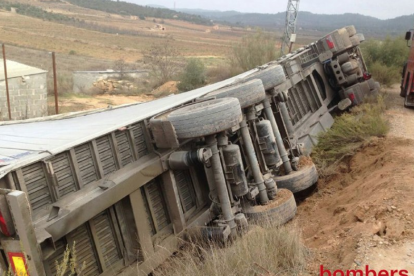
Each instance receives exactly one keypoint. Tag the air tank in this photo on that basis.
(268, 144)
(234, 170)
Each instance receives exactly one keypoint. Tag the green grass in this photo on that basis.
(348, 133)
(385, 59)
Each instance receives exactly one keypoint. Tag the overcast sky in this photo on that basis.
(382, 9)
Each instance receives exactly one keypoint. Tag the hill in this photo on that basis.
(78, 31)
(125, 8)
(370, 26)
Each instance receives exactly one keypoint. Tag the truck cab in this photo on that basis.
(407, 82)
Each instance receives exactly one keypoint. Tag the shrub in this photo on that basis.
(164, 60)
(193, 76)
(348, 133)
(386, 75)
(253, 50)
(385, 59)
(219, 73)
(390, 52)
(121, 66)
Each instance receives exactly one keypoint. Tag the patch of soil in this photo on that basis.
(364, 215)
(166, 89)
(282, 196)
(305, 161)
(101, 101)
(372, 196)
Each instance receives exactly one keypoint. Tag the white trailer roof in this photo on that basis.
(28, 141)
(16, 69)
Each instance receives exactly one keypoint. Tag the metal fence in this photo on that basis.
(32, 79)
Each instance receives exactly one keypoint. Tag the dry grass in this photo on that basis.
(265, 250)
(348, 133)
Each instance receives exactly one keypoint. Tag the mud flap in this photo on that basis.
(311, 139)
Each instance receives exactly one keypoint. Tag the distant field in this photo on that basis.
(104, 43)
(190, 39)
(94, 40)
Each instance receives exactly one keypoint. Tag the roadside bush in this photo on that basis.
(193, 76)
(164, 60)
(385, 59)
(266, 250)
(385, 74)
(348, 133)
(253, 50)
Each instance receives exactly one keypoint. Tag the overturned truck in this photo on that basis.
(124, 184)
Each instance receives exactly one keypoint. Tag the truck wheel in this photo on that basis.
(206, 118)
(351, 79)
(248, 93)
(361, 37)
(349, 67)
(371, 83)
(279, 211)
(271, 76)
(405, 102)
(299, 180)
(355, 40)
(374, 92)
(342, 58)
(351, 30)
(404, 89)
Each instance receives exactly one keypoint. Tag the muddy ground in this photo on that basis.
(365, 215)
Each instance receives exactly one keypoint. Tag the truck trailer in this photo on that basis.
(124, 185)
(407, 82)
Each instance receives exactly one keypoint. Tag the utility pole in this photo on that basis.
(6, 80)
(55, 83)
(289, 36)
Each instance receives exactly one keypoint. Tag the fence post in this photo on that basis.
(6, 80)
(55, 83)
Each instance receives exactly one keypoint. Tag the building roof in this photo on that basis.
(26, 142)
(16, 69)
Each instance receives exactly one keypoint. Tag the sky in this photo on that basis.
(383, 9)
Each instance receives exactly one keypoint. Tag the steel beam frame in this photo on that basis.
(292, 12)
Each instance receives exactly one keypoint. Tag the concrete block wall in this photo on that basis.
(28, 97)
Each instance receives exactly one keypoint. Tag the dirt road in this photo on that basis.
(75, 103)
(401, 119)
(365, 215)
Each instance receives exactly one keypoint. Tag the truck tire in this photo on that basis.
(361, 37)
(404, 89)
(342, 58)
(248, 93)
(374, 93)
(371, 83)
(279, 211)
(351, 30)
(349, 67)
(206, 118)
(271, 76)
(351, 79)
(355, 40)
(402, 92)
(299, 180)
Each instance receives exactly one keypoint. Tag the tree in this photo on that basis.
(165, 61)
(193, 76)
(121, 66)
(253, 50)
